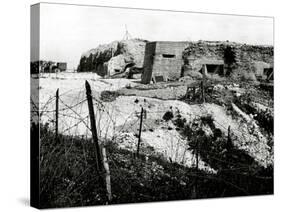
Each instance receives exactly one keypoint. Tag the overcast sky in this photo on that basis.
(67, 31)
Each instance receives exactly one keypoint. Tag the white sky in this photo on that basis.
(66, 31)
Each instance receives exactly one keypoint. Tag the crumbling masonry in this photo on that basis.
(172, 60)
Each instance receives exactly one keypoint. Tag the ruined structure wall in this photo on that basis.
(247, 56)
(148, 62)
(170, 68)
(163, 59)
(197, 54)
(107, 58)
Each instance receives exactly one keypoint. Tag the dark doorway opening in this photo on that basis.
(269, 73)
(215, 69)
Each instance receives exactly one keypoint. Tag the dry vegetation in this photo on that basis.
(186, 149)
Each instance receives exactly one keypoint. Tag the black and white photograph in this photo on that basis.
(143, 105)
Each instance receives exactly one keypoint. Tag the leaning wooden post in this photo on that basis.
(197, 168)
(194, 193)
(193, 91)
(229, 142)
(204, 70)
(93, 127)
(138, 149)
(57, 113)
(187, 89)
(107, 175)
(203, 91)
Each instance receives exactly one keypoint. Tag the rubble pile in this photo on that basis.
(112, 58)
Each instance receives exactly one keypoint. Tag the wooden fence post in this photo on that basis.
(197, 168)
(204, 71)
(194, 193)
(203, 91)
(187, 91)
(229, 142)
(193, 91)
(107, 175)
(138, 149)
(57, 113)
(93, 127)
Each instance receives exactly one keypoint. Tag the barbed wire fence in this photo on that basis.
(68, 115)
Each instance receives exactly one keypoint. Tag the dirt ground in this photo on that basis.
(119, 118)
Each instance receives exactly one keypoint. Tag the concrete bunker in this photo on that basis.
(171, 60)
(162, 61)
(213, 66)
(262, 70)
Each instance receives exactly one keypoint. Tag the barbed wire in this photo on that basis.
(80, 121)
(71, 107)
(74, 111)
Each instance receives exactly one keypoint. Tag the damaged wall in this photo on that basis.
(173, 60)
(108, 59)
(163, 58)
(250, 58)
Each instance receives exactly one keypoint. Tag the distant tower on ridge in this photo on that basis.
(127, 35)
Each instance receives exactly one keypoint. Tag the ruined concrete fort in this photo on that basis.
(166, 60)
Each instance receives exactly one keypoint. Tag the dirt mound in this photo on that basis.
(248, 139)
